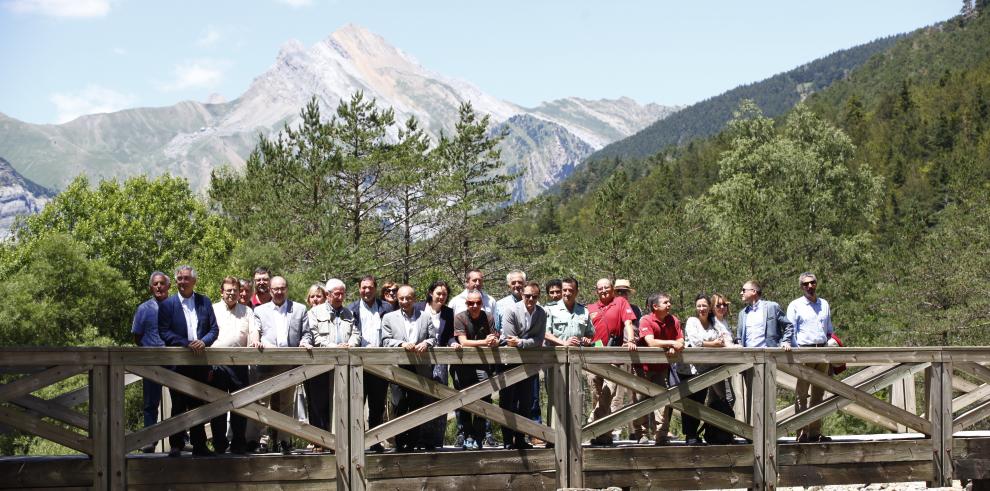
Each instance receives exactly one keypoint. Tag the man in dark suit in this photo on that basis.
(523, 326)
(187, 319)
(762, 324)
(368, 312)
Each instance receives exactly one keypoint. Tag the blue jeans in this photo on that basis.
(152, 399)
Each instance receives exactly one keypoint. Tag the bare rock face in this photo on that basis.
(191, 138)
(18, 197)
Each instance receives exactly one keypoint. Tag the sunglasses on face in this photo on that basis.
(472, 304)
(809, 283)
(530, 295)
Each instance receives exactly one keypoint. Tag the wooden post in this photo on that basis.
(557, 378)
(574, 414)
(341, 420)
(116, 428)
(98, 431)
(765, 424)
(940, 409)
(902, 395)
(357, 429)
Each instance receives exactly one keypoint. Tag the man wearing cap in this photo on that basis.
(612, 317)
(623, 288)
(812, 320)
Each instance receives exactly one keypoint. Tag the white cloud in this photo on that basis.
(297, 3)
(210, 37)
(196, 74)
(61, 8)
(92, 99)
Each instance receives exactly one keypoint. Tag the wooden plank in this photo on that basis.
(33, 357)
(974, 369)
(866, 400)
(99, 427)
(557, 385)
(311, 485)
(854, 452)
(446, 405)
(941, 416)
(228, 356)
(855, 473)
(705, 478)
(979, 395)
(833, 403)
(465, 356)
(341, 427)
(161, 470)
(29, 472)
(30, 383)
(51, 409)
(574, 416)
(713, 417)
(444, 463)
(253, 411)
(34, 425)
(117, 426)
(971, 417)
(78, 396)
(790, 382)
(765, 424)
(620, 356)
(662, 398)
(356, 442)
(669, 457)
(962, 354)
(431, 388)
(485, 482)
(870, 356)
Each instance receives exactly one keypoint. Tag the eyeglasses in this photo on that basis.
(531, 295)
(393, 291)
(744, 290)
(473, 304)
(809, 283)
(722, 305)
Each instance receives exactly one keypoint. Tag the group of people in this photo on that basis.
(257, 313)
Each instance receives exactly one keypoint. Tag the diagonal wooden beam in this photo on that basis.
(78, 396)
(219, 402)
(662, 398)
(486, 410)
(835, 403)
(713, 417)
(862, 398)
(790, 382)
(623, 378)
(460, 399)
(33, 382)
(34, 425)
(971, 417)
(51, 409)
(974, 369)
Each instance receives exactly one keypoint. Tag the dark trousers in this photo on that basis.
(230, 379)
(436, 428)
(690, 423)
(152, 399)
(375, 390)
(471, 425)
(517, 398)
(535, 413)
(319, 390)
(182, 403)
(405, 401)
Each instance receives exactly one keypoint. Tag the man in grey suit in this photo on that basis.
(281, 323)
(408, 329)
(762, 324)
(524, 326)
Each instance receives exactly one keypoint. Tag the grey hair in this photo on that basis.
(186, 267)
(807, 274)
(333, 284)
(151, 279)
(514, 272)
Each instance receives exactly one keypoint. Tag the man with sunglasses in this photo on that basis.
(812, 320)
(762, 324)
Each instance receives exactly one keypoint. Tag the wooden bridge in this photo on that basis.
(927, 441)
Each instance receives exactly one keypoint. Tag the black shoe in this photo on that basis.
(175, 452)
(202, 452)
(148, 448)
(285, 448)
(549, 445)
(405, 449)
(803, 439)
(238, 449)
(377, 448)
(694, 441)
(821, 439)
(523, 445)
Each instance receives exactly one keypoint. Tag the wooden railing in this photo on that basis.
(936, 450)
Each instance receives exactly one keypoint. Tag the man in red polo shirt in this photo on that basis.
(659, 329)
(613, 319)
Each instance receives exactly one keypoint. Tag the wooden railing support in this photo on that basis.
(574, 415)
(355, 438)
(765, 424)
(98, 417)
(341, 425)
(940, 412)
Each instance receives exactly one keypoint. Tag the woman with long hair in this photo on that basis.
(706, 330)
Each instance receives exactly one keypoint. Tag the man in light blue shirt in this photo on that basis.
(812, 321)
(145, 331)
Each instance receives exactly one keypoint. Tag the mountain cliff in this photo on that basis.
(191, 138)
(18, 196)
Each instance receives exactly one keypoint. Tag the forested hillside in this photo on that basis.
(880, 183)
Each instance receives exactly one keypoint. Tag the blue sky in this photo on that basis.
(63, 58)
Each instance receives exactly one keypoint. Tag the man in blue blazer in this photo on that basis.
(762, 324)
(186, 319)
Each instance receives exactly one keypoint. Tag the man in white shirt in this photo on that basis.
(408, 329)
(812, 319)
(237, 330)
(368, 312)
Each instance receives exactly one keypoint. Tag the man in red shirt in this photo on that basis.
(659, 329)
(613, 319)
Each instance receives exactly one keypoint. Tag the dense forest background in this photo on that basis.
(878, 180)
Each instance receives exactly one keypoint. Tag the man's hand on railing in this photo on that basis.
(631, 346)
(422, 347)
(786, 346)
(197, 346)
(574, 341)
(491, 340)
(309, 347)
